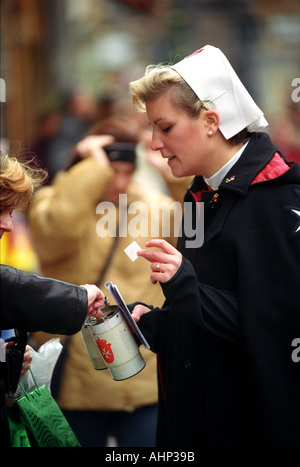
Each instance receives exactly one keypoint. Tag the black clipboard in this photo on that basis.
(115, 293)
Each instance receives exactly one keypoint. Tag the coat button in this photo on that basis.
(187, 364)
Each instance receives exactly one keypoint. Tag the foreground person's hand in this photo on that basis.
(96, 299)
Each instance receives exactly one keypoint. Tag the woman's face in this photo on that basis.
(123, 174)
(182, 140)
(6, 223)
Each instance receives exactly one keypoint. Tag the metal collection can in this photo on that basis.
(91, 346)
(115, 341)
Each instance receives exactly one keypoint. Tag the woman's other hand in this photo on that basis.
(164, 262)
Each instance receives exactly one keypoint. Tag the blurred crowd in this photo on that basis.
(285, 132)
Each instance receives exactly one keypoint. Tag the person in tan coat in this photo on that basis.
(73, 243)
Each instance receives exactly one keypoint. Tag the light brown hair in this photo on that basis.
(18, 181)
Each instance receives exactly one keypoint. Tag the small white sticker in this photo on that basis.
(131, 251)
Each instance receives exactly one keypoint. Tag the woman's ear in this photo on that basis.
(212, 120)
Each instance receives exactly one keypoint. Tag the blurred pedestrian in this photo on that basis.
(79, 113)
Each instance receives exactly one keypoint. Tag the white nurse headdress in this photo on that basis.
(208, 72)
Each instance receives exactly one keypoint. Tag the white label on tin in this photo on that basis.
(131, 251)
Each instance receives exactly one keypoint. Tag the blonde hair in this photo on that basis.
(160, 79)
(18, 181)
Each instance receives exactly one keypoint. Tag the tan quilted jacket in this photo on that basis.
(63, 220)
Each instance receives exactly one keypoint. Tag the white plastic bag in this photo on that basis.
(42, 366)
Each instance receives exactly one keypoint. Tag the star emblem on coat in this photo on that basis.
(295, 211)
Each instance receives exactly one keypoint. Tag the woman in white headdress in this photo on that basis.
(226, 334)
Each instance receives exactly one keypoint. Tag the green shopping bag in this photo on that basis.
(45, 423)
(18, 434)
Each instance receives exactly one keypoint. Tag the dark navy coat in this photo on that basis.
(226, 335)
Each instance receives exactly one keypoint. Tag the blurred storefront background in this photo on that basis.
(53, 48)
